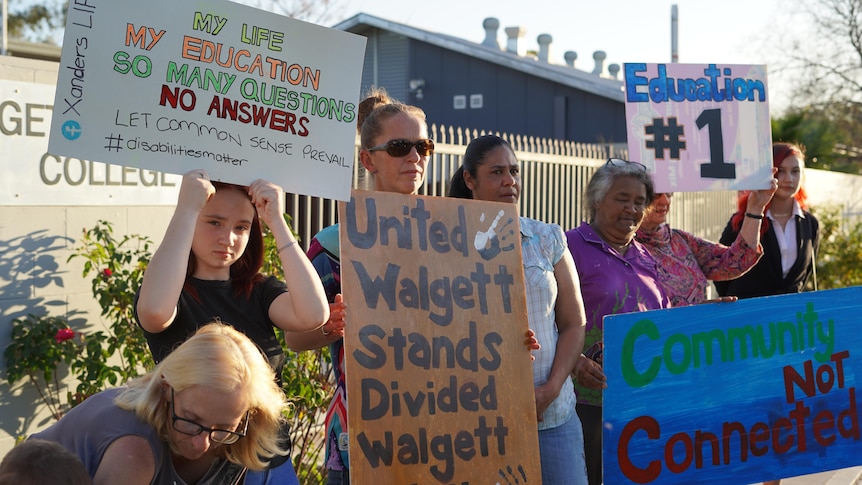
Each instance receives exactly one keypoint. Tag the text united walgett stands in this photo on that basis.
(440, 386)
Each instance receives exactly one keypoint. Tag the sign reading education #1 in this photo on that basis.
(239, 92)
(700, 126)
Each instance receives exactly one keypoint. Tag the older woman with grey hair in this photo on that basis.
(617, 275)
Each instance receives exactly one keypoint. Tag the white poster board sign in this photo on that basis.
(700, 127)
(172, 86)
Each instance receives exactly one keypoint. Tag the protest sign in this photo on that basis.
(440, 385)
(700, 126)
(242, 93)
(742, 392)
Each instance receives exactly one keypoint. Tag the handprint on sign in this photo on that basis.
(490, 243)
(510, 477)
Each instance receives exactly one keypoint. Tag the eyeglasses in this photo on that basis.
(400, 148)
(191, 428)
(619, 162)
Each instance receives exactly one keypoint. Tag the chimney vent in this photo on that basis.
(513, 43)
(544, 41)
(570, 57)
(599, 57)
(613, 70)
(491, 25)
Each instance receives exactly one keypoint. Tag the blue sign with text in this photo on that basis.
(754, 390)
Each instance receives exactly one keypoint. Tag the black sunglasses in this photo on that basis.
(619, 162)
(401, 148)
(191, 428)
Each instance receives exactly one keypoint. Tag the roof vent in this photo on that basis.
(513, 44)
(613, 70)
(570, 57)
(599, 57)
(544, 41)
(491, 25)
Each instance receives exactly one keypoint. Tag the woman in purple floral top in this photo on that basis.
(686, 262)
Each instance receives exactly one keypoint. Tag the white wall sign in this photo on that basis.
(29, 175)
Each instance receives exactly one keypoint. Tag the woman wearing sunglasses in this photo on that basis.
(617, 275)
(554, 308)
(395, 150)
(211, 403)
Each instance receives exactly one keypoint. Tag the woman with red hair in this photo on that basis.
(790, 234)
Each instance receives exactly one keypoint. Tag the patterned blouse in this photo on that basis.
(686, 262)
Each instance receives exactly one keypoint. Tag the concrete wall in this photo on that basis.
(36, 238)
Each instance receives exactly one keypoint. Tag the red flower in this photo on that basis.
(107, 272)
(64, 334)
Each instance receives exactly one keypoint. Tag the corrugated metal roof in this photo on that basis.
(562, 74)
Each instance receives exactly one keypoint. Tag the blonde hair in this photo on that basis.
(219, 357)
(376, 108)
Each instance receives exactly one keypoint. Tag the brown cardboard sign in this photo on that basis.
(439, 378)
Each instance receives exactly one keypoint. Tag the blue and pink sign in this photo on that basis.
(700, 126)
(740, 392)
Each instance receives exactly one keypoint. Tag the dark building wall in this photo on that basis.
(512, 101)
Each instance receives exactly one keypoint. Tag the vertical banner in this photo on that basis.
(700, 126)
(440, 386)
(743, 392)
(172, 86)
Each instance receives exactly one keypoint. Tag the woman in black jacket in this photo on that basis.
(790, 234)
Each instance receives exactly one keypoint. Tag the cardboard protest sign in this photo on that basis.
(742, 392)
(440, 386)
(245, 94)
(700, 126)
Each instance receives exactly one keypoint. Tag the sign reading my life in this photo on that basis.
(240, 93)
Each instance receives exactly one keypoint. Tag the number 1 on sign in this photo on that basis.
(716, 168)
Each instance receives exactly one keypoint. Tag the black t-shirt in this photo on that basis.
(216, 302)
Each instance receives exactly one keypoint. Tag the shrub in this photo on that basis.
(839, 262)
(39, 344)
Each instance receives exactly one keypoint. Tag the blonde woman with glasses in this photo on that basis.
(210, 403)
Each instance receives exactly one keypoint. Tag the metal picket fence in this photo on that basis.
(554, 177)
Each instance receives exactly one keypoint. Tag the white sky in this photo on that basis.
(727, 32)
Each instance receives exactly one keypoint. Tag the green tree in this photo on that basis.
(839, 263)
(36, 21)
(821, 57)
(827, 134)
(825, 52)
(812, 130)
